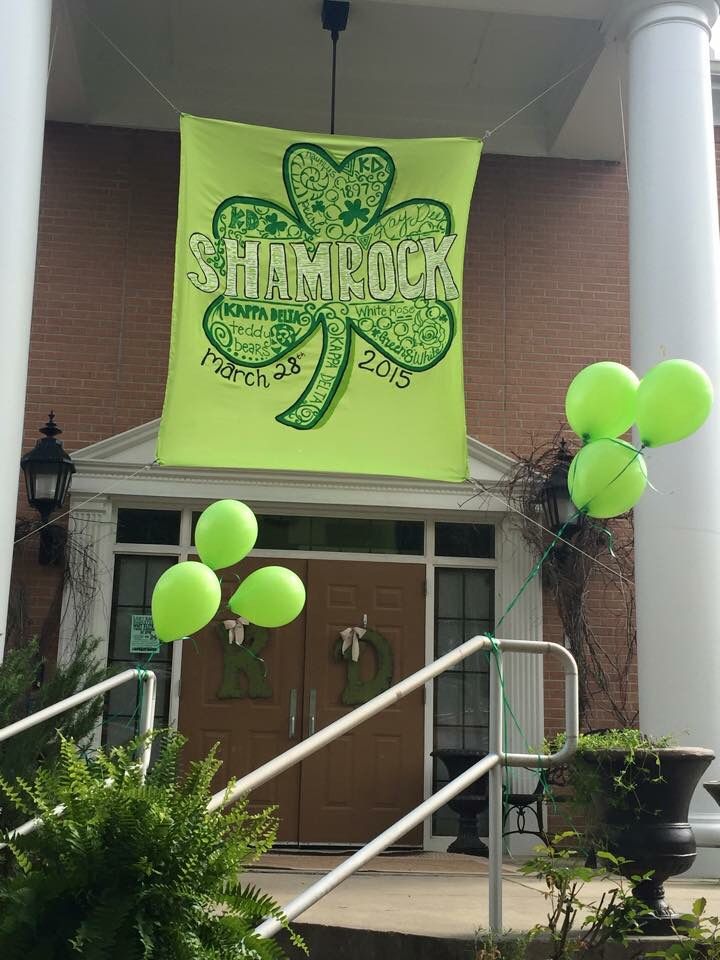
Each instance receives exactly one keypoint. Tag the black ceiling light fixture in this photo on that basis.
(557, 507)
(334, 18)
(48, 470)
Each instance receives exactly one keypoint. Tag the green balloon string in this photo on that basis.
(662, 493)
(620, 443)
(259, 660)
(130, 721)
(250, 652)
(608, 534)
(538, 566)
(496, 654)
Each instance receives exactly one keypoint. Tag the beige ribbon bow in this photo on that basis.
(236, 630)
(351, 637)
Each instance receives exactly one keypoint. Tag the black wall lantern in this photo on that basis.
(557, 507)
(48, 470)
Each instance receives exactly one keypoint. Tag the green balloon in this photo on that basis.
(607, 478)
(673, 401)
(185, 599)
(600, 401)
(269, 597)
(225, 533)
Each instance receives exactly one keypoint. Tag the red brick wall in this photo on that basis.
(545, 292)
(104, 280)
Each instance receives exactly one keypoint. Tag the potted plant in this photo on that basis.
(635, 793)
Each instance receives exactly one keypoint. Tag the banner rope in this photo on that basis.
(530, 103)
(79, 506)
(52, 50)
(486, 136)
(127, 59)
(622, 116)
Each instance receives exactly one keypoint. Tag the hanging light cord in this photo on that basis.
(335, 35)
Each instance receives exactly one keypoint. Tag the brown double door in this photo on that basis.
(363, 782)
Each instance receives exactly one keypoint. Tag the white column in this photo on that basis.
(523, 673)
(675, 312)
(24, 49)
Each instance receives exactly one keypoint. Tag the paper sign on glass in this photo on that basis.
(142, 634)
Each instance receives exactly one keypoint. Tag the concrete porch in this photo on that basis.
(429, 894)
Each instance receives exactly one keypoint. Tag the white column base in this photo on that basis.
(706, 827)
(706, 867)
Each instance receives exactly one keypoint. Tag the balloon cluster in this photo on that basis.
(608, 476)
(187, 596)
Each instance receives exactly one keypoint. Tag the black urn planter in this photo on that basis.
(469, 804)
(649, 826)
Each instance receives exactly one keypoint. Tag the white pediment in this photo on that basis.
(124, 466)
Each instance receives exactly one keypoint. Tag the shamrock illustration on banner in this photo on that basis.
(338, 260)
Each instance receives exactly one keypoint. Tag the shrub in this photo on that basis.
(22, 692)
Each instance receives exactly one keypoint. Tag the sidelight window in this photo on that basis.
(134, 578)
(464, 607)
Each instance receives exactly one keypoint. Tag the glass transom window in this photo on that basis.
(339, 534)
(465, 540)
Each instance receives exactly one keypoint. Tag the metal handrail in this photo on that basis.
(350, 866)
(147, 714)
(312, 744)
(491, 764)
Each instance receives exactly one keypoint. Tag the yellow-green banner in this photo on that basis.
(317, 312)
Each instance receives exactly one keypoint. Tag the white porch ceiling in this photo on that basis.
(405, 68)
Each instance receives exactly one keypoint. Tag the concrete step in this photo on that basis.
(347, 943)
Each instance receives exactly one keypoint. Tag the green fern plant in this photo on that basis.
(133, 869)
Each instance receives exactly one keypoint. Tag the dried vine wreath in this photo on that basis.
(589, 575)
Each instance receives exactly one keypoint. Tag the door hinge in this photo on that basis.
(424, 588)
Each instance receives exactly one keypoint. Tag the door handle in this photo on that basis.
(312, 709)
(293, 714)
